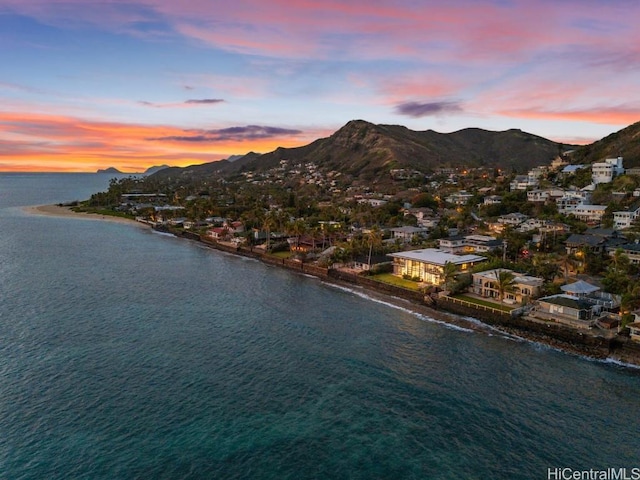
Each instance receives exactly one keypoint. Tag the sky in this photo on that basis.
(89, 84)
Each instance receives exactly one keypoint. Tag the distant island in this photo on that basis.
(109, 170)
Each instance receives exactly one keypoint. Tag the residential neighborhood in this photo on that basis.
(557, 245)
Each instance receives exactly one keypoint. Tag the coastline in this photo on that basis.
(466, 321)
(66, 212)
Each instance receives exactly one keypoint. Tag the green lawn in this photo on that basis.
(394, 280)
(102, 211)
(478, 301)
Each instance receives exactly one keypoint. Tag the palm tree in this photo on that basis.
(546, 266)
(268, 223)
(449, 272)
(297, 228)
(504, 282)
(375, 242)
(619, 261)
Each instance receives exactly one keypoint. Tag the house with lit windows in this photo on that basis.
(522, 289)
(427, 264)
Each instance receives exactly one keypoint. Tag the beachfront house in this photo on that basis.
(427, 264)
(568, 310)
(523, 288)
(634, 331)
(580, 305)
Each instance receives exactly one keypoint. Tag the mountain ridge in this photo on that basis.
(364, 151)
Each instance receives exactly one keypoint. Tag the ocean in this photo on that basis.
(129, 354)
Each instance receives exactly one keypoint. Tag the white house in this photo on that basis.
(544, 195)
(524, 287)
(427, 264)
(572, 199)
(624, 219)
(604, 172)
(459, 198)
(589, 213)
(492, 200)
(523, 182)
(515, 218)
(407, 233)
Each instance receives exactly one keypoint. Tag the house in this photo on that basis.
(634, 331)
(532, 224)
(469, 244)
(459, 198)
(631, 250)
(524, 287)
(523, 182)
(374, 202)
(407, 233)
(544, 195)
(427, 265)
(234, 227)
(595, 240)
(571, 169)
(572, 199)
(568, 309)
(492, 200)
(218, 233)
(591, 293)
(537, 195)
(366, 262)
(512, 218)
(625, 219)
(589, 213)
(604, 172)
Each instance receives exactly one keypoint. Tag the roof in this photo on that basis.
(409, 229)
(437, 257)
(572, 168)
(603, 232)
(584, 206)
(567, 301)
(579, 287)
(517, 277)
(578, 239)
(630, 247)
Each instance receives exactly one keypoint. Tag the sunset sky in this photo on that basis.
(130, 84)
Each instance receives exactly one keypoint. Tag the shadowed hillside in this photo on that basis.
(623, 143)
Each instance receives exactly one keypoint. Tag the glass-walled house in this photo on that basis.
(427, 265)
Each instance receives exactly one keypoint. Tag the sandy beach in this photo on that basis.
(62, 211)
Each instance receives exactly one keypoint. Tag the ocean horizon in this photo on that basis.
(126, 354)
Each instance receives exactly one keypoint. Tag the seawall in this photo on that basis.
(555, 335)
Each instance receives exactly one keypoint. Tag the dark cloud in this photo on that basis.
(193, 101)
(204, 101)
(250, 132)
(415, 109)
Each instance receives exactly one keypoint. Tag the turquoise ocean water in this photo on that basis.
(127, 354)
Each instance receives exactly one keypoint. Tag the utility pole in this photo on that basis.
(504, 251)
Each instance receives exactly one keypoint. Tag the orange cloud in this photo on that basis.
(41, 142)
